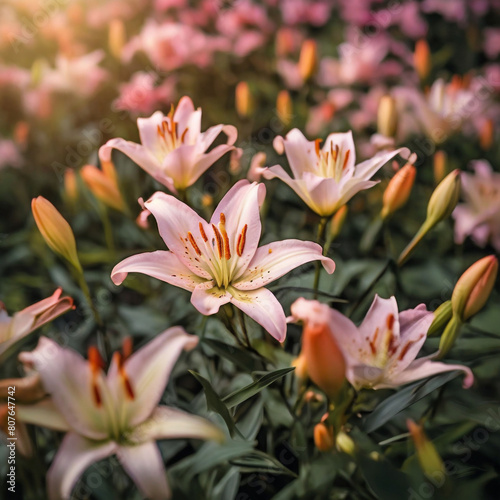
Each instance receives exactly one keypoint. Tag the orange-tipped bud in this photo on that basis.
(70, 185)
(284, 107)
(324, 438)
(116, 37)
(338, 222)
(243, 100)
(300, 365)
(103, 187)
(398, 190)
(308, 60)
(474, 287)
(440, 162)
(55, 230)
(428, 457)
(324, 360)
(486, 135)
(387, 116)
(422, 59)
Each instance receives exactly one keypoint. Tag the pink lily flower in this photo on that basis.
(117, 413)
(13, 329)
(381, 352)
(173, 149)
(218, 261)
(479, 216)
(325, 178)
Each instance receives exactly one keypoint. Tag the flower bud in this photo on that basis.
(428, 457)
(422, 59)
(441, 317)
(116, 37)
(444, 198)
(300, 365)
(324, 438)
(474, 287)
(440, 161)
(345, 443)
(284, 107)
(257, 167)
(308, 60)
(55, 230)
(387, 116)
(104, 188)
(398, 190)
(486, 135)
(449, 336)
(70, 185)
(243, 100)
(337, 222)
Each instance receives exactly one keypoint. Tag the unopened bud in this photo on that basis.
(387, 116)
(300, 365)
(337, 222)
(345, 443)
(486, 134)
(70, 185)
(104, 188)
(422, 59)
(324, 438)
(474, 287)
(440, 161)
(243, 100)
(116, 37)
(441, 317)
(398, 190)
(449, 336)
(55, 230)
(284, 107)
(308, 60)
(444, 198)
(428, 457)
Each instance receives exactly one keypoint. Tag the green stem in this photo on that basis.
(85, 289)
(108, 230)
(319, 240)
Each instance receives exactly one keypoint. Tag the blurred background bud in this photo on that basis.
(440, 166)
(308, 60)
(116, 37)
(486, 135)
(243, 100)
(103, 185)
(398, 190)
(284, 107)
(387, 116)
(422, 59)
(324, 438)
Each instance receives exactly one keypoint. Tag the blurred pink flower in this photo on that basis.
(140, 95)
(316, 12)
(479, 216)
(14, 76)
(173, 149)
(492, 42)
(9, 154)
(381, 352)
(117, 413)
(321, 116)
(22, 323)
(219, 262)
(325, 178)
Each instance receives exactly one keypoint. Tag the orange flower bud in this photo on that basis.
(308, 60)
(440, 160)
(387, 116)
(324, 438)
(398, 190)
(103, 185)
(284, 107)
(337, 222)
(70, 185)
(116, 37)
(21, 132)
(422, 59)
(474, 287)
(486, 134)
(55, 230)
(243, 100)
(300, 366)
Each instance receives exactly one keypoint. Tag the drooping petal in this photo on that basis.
(75, 454)
(148, 370)
(162, 265)
(208, 299)
(43, 413)
(144, 464)
(171, 423)
(67, 377)
(241, 207)
(263, 307)
(351, 187)
(273, 260)
(175, 220)
(423, 368)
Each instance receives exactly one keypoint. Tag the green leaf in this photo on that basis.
(403, 399)
(214, 402)
(239, 357)
(259, 462)
(237, 397)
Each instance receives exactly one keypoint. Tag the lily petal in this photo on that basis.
(161, 265)
(75, 454)
(148, 132)
(368, 168)
(43, 413)
(273, 260)
(300, 152)
(345, 142)
(377, 318)
(148, 370)
(208, 299)
(144, 464)
(263, 307)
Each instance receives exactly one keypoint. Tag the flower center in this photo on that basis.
(215, 254)
(383, 346)
(169, 136)
(331, 164)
